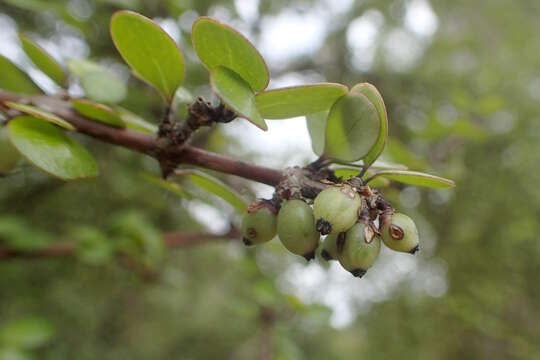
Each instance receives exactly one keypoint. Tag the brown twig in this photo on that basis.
(67, 249)
(164, 152)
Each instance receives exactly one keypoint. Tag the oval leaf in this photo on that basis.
(316, 125)
(50, 149)
(44, 61)
(99, 83)
(14, 79)
(376, 99)
(218, 188)
(298, 100)
(414, 178)
(99, 112)
(167, 185)
(218, 44)
(40, 114)
(236, 94)
(352, 128)
(149, 51)
(134, 122)
(27, 333)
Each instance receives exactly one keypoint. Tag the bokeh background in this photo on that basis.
(461, 81)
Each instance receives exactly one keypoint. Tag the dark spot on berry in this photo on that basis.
(310, 255)
(247, 242)
(323, 227)
(340, 241)
(358, 272)
(326, 255)
(414, 249)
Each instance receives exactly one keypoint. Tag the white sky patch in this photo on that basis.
(342, 292)
(291, 34)
(402, 50)
(210, 216)
(420, 18)
(362, 35)
(248, 10)
(170, 26)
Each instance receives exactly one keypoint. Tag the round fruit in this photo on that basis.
(258, 225)
(9, 156)
(360, 250)
(329, 249)
(296, 228)
(336, 209)
(399, 233)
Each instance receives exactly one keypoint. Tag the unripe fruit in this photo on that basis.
(9, 156)
(329, 249)
(360, 249)
(399, 233)
(258, 224)
(336, 209)
(296, 228)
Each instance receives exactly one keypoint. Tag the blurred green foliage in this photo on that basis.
(467, 108)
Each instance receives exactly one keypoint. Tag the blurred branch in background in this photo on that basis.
(171, 240)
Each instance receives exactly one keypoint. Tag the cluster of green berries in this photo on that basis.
(339, 212)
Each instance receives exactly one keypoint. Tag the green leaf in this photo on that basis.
(10, 156)
(134, 122)
(218, 44)
(50, 149)
(352, 128)
(139, 238)
(148, 50)
(167, 185)
(218, 188)
(27, 333)
(237, 94)
(99, 112)
(349, 172)
(40, 114)
(18, 234)
(14, 79)
(99, 83)
(92, 245)
(316, 125)
(415, 178)
(298, 100)
(44, 61)
(14, 354)
(376, 99)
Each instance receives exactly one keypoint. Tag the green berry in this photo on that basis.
(258, 224)
(296, 228)
(336, 209)
(329, 249)
(9, 156)
(399, 233)
(360, 249)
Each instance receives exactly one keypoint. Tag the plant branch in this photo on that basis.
(170, 153)
(68, 249)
